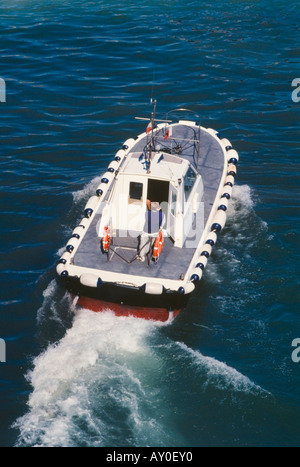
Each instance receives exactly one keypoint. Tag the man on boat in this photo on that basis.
(154, 221)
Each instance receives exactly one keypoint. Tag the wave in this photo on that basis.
(242, 219)
(238, 237)
(87, 190)
(220, 374)
(89, 388)
(107, 383)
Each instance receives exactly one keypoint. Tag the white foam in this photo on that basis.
(51, 308)
(87, 190)
(48, 295)
(242, 233)
(244, 194)
(219, 374)
(96, 364)
(100, 374)
(241, 209)
(241, 203)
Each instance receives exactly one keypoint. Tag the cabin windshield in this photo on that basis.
(189, 181)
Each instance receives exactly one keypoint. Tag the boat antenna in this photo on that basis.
(154, 102)
(150, 146)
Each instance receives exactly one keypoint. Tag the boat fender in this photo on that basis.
(224, 204)
(63, 261)
(70, 248)
(227, 192)
(61, 265)
(219, 221)
(113, 166)
(102, 188)
(189, 288)
(158, 245)
(78, 231)
(211, 238)
(202, 263)
(92, 202)
(210, 242)
(152, 288)
(128, 144)
(66, 256)
(106, 239)
(197, 275)
(227, 144)
(84, 223)
(207, 251)
(90, 206)
(120, 155)
(232, 157)
(232, 170)
(72, 244)
(64, 273)
(229, 180)
(90, 280)
(108, 177)
(88, 212)
(60, 268)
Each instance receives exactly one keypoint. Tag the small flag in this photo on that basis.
(166, 135)
(149, 127)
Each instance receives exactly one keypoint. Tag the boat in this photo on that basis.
(147, 233)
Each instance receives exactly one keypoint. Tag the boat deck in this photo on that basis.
(173, 261)
(123, 253)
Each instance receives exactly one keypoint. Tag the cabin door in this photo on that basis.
(172, 211)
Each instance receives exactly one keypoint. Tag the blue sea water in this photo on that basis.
(76, 74)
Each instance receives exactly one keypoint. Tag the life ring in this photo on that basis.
(106, 240)
(158, 245)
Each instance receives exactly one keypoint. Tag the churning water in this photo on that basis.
(76, 74)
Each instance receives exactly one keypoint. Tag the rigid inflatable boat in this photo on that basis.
(149, 230)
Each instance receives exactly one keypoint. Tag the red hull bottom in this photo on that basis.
(155, 314)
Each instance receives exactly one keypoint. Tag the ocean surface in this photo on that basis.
(76, 75)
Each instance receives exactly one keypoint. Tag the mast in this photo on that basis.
(150, 146)
(152, 134)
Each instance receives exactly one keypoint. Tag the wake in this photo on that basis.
(107, 380)
(88, 389)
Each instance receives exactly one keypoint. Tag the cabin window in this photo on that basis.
(135, 191)
(189, 181)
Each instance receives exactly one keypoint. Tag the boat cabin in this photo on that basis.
(168, 180)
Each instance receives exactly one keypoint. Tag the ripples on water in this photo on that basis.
(77, 74)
